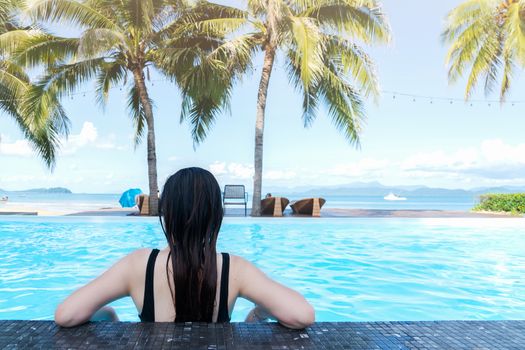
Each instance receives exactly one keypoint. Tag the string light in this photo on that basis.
(451, 100)
(395, 95)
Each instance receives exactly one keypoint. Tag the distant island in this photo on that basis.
(42, 190)
(378, 189)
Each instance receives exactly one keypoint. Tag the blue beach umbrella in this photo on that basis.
(127, 200)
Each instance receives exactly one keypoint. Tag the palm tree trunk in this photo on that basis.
(152, 153)
(269, 57)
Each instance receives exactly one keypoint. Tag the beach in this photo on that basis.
(357, 206)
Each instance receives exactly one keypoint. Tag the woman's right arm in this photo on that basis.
(286, 305)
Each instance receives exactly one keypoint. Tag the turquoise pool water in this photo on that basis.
(349, 269)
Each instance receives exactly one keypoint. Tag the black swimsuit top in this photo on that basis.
(148, 308)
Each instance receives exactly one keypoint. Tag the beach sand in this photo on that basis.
(30, 210)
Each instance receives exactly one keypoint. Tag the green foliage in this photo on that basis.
(184, 41)
(487, 38)
(511, 203)
(42, 128)
(320, 41)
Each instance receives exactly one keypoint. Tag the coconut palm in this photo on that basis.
(318, 41)
(14, 85)
(128, 38)
(487, 43)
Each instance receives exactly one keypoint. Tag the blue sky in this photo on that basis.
(404, 142)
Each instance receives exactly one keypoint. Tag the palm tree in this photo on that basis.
(318, 43)
(130, 37)
(487, 42)
(14, 86)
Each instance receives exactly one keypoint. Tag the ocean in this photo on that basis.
(74, 202)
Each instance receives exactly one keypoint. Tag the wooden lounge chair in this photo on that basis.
(142, 201)
(235, 195)
(308, 206)
(274, 206)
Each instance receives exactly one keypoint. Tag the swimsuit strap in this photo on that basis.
(148, 306)
(223, 314)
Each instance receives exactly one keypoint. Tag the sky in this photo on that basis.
(406, 141)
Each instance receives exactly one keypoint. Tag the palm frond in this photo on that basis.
(345, 106)
(308, 48)
(140, 15)
(59, 81)
(514, 28)
(508, 72)
(465, 15)
(206, 91)
(464, 49)
(212, 19)
(310, 95)
(137, 114)
(98, 41)
(363, 20)
(44, 49)
(110, 73)
(354, 61)
(489, 37)
(68, 12)
(13, 80)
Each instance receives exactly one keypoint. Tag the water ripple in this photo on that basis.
(349, 269)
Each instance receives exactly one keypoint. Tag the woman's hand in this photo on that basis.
(105, 313)
(273, 299)
(257, 314)
(81, 306)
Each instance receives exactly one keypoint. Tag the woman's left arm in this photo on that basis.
(113, 284)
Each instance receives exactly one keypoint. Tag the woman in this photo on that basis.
(187, 280)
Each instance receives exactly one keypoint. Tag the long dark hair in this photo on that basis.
(191, 215)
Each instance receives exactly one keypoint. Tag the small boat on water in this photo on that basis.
(4, 199)
(394, 197)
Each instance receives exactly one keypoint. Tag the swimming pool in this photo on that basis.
(349, 269)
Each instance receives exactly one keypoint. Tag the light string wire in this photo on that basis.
(394, 94)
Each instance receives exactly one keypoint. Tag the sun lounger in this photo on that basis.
(142, 201)
(308, 206)
(274, 206)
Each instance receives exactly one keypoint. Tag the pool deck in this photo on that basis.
(325, 213)
(323, 335)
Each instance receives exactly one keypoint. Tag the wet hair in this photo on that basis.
(191, 215)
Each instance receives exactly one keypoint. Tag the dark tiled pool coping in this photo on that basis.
(322, 335)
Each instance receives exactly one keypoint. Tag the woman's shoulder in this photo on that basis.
(239, 264)
(140, 253)
(138, 257)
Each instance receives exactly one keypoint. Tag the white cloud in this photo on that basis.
(218, 168)
(88, 135)
(109, 142)
(240, 171)
(232, 170)
(18, 148)
(280, 175)
(493, 159)
(491, 162)
(362, 167)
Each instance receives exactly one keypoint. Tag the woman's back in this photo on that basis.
(152, 295)
(185, 280)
